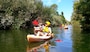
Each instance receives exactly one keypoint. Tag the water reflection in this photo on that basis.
(62, 42)
(12, 41)
(33, 48)
(81, 41)
(39, 47)
(65, 40)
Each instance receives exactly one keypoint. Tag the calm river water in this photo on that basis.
(65, 40)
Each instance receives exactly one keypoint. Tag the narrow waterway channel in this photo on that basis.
(65, 40)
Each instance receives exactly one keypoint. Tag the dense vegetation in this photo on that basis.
(20, 13)
(81, 13)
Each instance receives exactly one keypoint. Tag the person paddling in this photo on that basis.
(46, 30)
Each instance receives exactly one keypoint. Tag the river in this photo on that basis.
(65, 40)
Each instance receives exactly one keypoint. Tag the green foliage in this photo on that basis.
(82, 13)
(21, 11)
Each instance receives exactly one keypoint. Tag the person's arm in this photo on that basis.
(50, 31)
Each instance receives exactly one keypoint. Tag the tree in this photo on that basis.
(82, 13)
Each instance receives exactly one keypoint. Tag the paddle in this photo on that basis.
(58, 40)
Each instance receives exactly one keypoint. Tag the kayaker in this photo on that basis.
(36, 26)
(46, 30)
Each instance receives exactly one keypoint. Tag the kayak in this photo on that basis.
(34, 38)
(66, 27)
